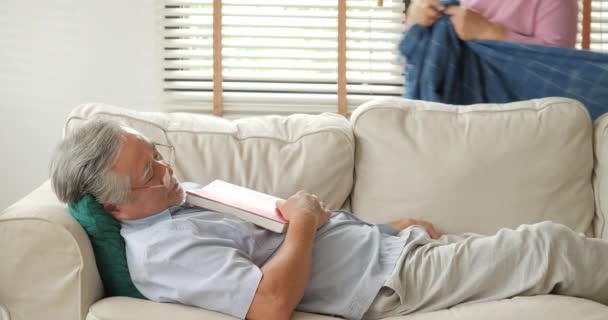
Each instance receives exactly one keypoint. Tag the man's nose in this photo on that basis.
(166, 166)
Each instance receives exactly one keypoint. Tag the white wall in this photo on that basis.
(56, 54)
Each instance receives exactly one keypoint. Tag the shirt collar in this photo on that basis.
(150, 220)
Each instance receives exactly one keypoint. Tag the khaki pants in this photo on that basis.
(534, 259)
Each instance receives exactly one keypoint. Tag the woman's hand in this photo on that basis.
(304, 205)
(424, 12)
(407, 222)
(470, 25)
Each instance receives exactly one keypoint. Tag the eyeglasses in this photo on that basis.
(166, 157)
(166, 151)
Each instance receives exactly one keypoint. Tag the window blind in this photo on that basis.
(280, 56)
(599, 26)
(596, 27)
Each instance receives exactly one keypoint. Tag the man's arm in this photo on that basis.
(286, 274)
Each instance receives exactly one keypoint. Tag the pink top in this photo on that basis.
(544, 22)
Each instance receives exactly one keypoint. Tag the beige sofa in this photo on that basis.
(468, 169)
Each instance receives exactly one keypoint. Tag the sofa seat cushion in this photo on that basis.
(474, 168)
(552, 307)
(123, 308)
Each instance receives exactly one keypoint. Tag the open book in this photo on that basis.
(250, 205)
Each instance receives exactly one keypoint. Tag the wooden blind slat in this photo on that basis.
(586, 29)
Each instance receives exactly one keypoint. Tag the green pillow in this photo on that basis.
(108, 246)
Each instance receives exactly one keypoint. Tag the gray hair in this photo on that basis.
(82, 162)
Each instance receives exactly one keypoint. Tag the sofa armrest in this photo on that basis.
(48, 269)
(600, 177)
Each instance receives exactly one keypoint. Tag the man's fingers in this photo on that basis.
(429, 228)
(432, 232)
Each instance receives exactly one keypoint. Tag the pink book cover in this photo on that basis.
(245, 199)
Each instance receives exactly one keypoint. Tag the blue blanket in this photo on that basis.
(442, 68)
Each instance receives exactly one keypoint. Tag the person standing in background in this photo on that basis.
(541, 22)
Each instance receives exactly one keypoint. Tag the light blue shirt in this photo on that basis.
(213, 261)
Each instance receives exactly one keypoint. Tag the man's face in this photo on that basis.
(154, 188)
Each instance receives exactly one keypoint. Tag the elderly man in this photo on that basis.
(328, 262)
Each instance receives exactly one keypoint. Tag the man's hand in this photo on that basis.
(304, 205)
(424, 12)
(470, 25)
(406, 222)
(287, 273)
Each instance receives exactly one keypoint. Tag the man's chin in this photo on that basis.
(180, 196)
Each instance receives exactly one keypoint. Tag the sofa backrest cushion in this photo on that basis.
(108, 246)
(271, 154)
(600, 177)
(474, 168)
